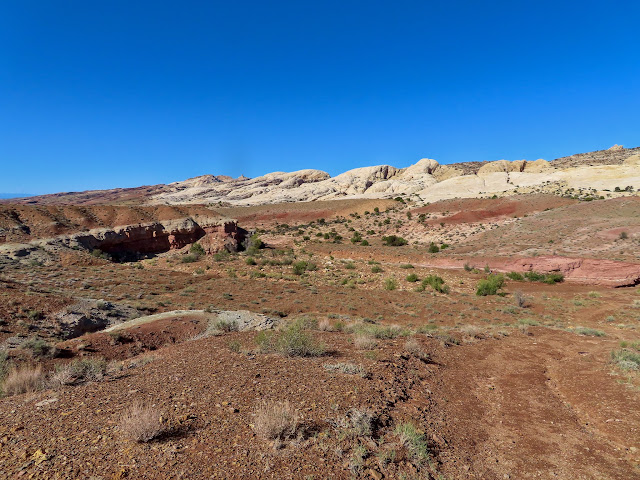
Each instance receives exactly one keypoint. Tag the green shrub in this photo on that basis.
(534, 276)
(253, 244)
(412, 277)
(467, 267)
(590, 332)
(518, 277)
(100, 254)
(381, 332)
(35, 315)
(250, 261)
(221, 256)
(4, 364)
(364, 243)
(190, 258)
(552, 278)
(414, 441)
(197, 249)
(626, 359)
(376, 269)
(302, 266)
(293, 341)
(394, 241)
(433, 248)
(406, 266)
(225, 326)
(390, 284)
(39, 347)
(436, 282)
(490, 285)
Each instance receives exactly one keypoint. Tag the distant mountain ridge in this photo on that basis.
(597, 172)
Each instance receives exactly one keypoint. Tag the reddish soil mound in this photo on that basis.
(127, 343)
(24, 223)
(469, 210)
(295, 213)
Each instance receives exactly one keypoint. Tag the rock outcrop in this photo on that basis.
(589, 271)
(31, 228)
(583, 270)
(214, 235)
(503, 166)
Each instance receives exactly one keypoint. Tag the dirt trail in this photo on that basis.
(537, 408)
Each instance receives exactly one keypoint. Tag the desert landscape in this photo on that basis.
(473, 320)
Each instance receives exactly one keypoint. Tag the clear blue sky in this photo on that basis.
(125, 93)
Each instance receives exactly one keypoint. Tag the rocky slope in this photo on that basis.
(599, 172)
(118, 231)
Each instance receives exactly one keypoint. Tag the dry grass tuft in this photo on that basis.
(79, 371)
(326, 326)
(276, 420)
(364, 342)
(23, 380)
(142, 423)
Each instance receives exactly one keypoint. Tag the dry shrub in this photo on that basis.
(23, 380)
(413, 347)
(520, 299)
(472, 331)
(361, 421)
(142, 423)
(364, 342)
(325, 326)
(276, 420)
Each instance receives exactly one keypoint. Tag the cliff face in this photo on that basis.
(214, 235)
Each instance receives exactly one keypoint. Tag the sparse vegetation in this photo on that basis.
(589, 332)
(414, 347)
(348, 368)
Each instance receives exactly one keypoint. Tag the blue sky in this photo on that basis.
(107, 94)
